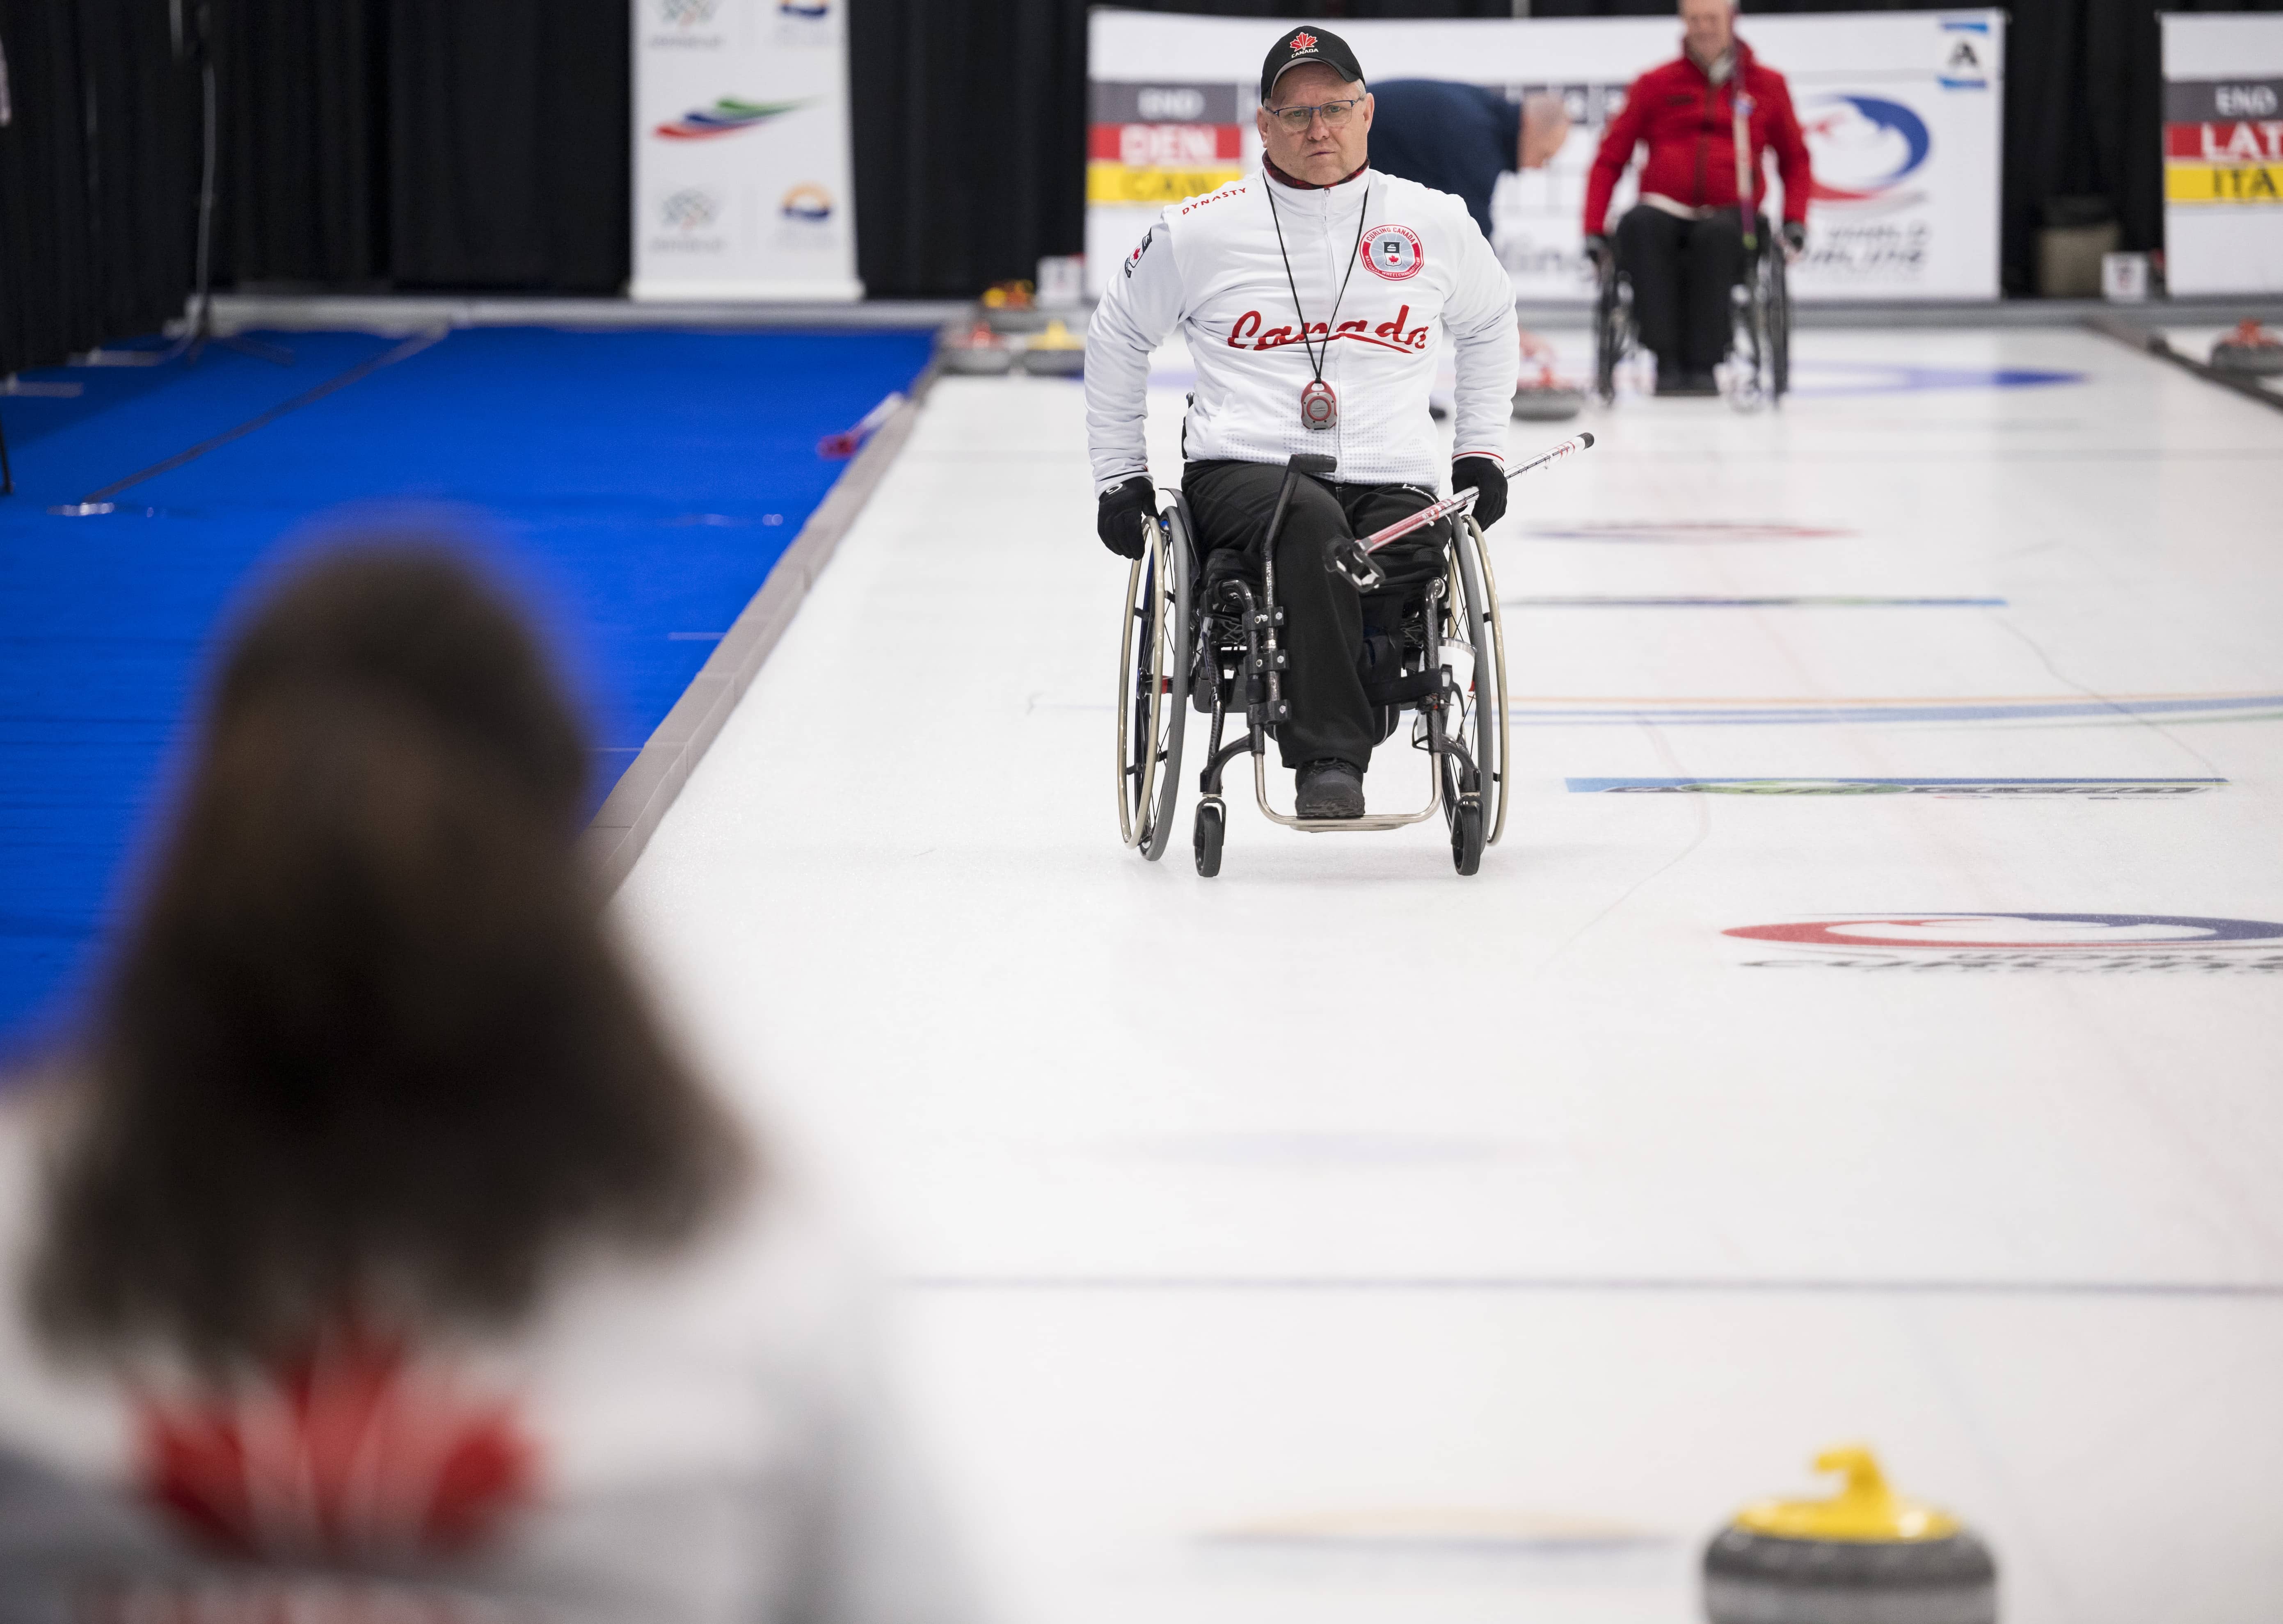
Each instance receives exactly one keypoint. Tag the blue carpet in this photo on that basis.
(629, 486)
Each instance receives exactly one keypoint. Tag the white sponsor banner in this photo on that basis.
(1902, 111)
(741, 168)
(2223, 152)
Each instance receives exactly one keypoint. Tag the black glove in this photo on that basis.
(1120, 511)
(1488, 480)
(1598, 249)
(1795, 235)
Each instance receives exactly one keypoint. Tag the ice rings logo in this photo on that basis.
(1392, 253)
(1865, 149)
(2102, 942)
(2020, 932)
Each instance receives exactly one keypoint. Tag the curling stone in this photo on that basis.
(978, 352)
(2249, 349)
(1546, 397)
(1865, 1556)
(1547, 403)
(1056, 352)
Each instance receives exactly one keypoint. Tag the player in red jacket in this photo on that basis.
(1683, 245)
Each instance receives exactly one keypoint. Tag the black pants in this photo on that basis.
(1681, 271)
(1324, 618)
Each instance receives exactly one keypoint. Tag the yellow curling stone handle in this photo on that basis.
(1057, 337)
(1864, 1509)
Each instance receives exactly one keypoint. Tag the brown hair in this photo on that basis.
(366, 1046)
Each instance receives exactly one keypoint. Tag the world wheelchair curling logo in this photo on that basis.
(1866, 148)
(2097, 943)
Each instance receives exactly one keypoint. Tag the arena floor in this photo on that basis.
(1342, 1239)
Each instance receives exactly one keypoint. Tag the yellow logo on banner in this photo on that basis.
(1107, 183)
(2192, 183)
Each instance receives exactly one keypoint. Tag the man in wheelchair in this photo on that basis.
(1312, 294)
(1709, 120)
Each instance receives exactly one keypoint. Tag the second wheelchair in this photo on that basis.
(1759, 368)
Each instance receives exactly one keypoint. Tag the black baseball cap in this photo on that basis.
(1307, 45)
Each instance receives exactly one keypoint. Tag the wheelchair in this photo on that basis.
(1214, 647)
(1759, 370)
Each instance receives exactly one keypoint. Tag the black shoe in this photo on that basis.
(1330, 789)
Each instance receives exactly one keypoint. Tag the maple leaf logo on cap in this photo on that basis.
(1303, 41)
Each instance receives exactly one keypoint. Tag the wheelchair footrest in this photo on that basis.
(1408, 690)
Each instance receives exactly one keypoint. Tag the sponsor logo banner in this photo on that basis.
(1685, 529)
(1944, 789)
(1595, 600)
(2026, 711)
(740, 150)
(2080, 944)
(1901, 111)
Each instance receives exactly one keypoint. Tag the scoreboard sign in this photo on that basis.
(2223, 152)
(1158, 143)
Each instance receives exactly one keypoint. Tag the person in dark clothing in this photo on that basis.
(1460, 139)
(1683, 243)
(1229, 498)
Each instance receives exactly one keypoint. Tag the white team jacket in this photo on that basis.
(1210, 265)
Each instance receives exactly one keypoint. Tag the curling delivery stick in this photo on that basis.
(848, 442)
(1354, 559)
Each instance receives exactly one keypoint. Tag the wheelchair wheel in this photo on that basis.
(1481, 721)
(1613, 319)
(1466, 839)
(1153, 687)
(1778, 322)
(1211, 824)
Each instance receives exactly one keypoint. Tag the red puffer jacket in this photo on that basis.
(1685, 119)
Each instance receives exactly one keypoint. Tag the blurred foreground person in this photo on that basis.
(376, 1257)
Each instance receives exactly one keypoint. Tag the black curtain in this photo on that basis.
(303, 192)
(508, 144)
(96, 176)
(478, 145)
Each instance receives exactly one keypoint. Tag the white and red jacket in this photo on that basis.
(1210, 267)
(704, 1438)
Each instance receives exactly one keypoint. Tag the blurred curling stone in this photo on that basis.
(1865, 1556)
(977, 351)
(1545, 398)
(1056, 352)
(2250, 349)
(1010, 307)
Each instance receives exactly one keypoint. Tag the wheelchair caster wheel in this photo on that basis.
(1211, 820)
(1467, 837)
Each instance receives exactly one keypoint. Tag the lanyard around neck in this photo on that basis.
(1316, 358)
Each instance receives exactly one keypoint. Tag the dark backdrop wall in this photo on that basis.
(482, 144)
(96, 175)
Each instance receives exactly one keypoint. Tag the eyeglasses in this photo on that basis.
(1337, 115)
